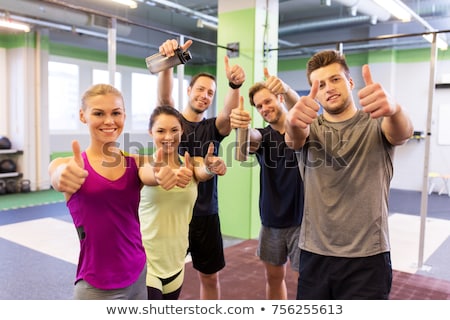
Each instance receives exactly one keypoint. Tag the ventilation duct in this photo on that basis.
(58, 14)
(322, 24)
(370, 13)
(368, 8)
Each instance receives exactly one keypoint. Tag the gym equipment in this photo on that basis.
(11, 186)
(24, 185)
(7, 165)
(2, 187)
(5, 143)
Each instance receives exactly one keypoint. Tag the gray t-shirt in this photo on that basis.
(347, 168)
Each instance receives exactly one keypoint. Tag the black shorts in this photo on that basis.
(206, 244)
(329, 278)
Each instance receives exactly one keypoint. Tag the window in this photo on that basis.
(63, 96)
(143, 99)
(102, 76)
(69, 77)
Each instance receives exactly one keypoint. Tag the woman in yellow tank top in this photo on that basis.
(167, 202)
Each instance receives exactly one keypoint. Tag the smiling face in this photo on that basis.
(268, 105)
(201, 94)
(166, 131)
(335, 90)
(105, 116)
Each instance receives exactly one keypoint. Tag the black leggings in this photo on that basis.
(156, 294)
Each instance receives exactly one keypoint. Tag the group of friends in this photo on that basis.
(325, 169)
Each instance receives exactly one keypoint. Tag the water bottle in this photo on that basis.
(158, 62)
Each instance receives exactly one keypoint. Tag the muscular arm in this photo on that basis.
(397, 128)
(165, 87)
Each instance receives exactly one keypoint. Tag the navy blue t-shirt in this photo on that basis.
(281, 186)
(195, 140)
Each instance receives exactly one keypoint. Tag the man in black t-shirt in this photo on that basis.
(205, 237)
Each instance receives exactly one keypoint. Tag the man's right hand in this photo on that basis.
(169, 46)
(240, 118)
(305, 110)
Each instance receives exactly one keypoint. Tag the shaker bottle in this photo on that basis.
(158, 62)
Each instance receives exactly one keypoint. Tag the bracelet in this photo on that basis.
(209, 171)
(234, 86)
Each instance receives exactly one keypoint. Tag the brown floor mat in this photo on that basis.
(243, 279)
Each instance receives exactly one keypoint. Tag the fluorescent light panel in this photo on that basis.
(396, 8)
(14, 25)
(130, 3)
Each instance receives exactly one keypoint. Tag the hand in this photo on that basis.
(275, 84)
(71, 175)
(169, 46)
(306, 109)
(215, 164)
(235, 74)
(164, 175)
(184, 173)
(239, 118)
(373, 99)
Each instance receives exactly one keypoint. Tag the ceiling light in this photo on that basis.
(205, 24)
(396, 8)
(6, 23)
(440, 42)
(132, 4)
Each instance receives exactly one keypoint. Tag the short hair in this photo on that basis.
(325, 58)
(254, 89)
(201, 74)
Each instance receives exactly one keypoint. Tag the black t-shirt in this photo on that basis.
(195, 140)
(281, 186)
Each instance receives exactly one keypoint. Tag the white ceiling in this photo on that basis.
(303, 24)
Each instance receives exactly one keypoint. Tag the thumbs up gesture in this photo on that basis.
(214, 164)
(70, 175)
(240, 118)
(235, 74)
(275, 84)
(184, 173)
(373, 99)
(164, 175)
(305, 110)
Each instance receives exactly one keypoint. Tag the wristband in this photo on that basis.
(209, 172)
(234, 86)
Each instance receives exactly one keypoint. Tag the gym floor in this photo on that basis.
(39, 251)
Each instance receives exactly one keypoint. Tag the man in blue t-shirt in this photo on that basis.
(281, 187)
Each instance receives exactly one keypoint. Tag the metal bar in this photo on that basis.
(424, 198)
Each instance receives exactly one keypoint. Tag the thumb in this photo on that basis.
(227, 64)
(210, 149)
(77, 154)
(186, 45)
(314, 89)
(187, 160)
(241, 103)
(266, 73)
(367, 76)
(158, 160)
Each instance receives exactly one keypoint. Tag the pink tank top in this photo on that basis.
(105, 213)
